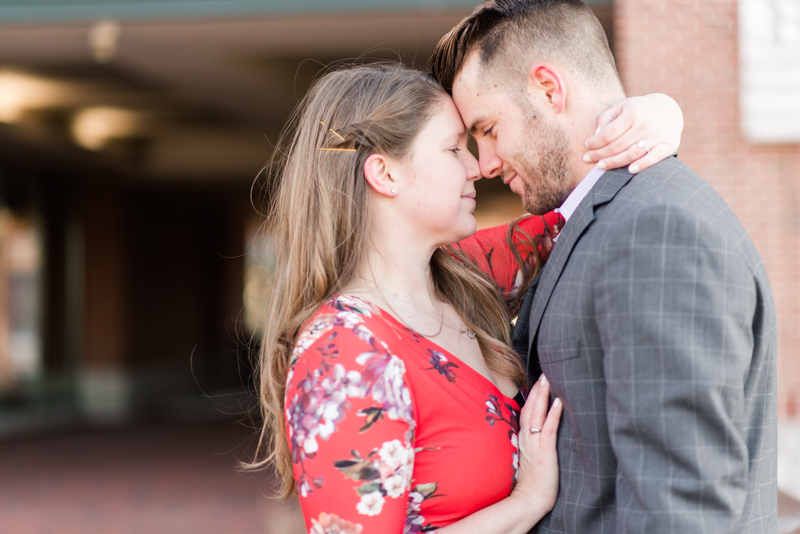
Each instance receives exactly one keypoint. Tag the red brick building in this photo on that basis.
(689, 49)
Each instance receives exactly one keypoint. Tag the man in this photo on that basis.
(653, 318)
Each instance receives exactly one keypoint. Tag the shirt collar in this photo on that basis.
(579, 193)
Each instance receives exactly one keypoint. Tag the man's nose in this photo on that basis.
(491, 165)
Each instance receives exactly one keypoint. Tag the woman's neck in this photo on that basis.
(395, 271)
(397, 262)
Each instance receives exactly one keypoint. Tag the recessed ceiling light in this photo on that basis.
(104, 40)
(92, 128)
(20, 91)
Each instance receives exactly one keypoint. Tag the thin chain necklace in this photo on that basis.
(441, 319)
(464, 330)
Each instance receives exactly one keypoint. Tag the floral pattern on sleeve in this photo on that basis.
(321, 400)
(333, 524)
(385, 472)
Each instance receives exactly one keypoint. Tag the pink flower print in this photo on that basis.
(371, 503)
(385, 472)
(333, 524)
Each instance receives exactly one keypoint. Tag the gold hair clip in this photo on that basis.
(334, 131)
(336, 149)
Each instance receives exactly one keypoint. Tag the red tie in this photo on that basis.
(548, 236)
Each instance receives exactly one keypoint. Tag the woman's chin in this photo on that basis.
(467, 229)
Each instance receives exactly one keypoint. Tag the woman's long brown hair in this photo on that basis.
(319, 219)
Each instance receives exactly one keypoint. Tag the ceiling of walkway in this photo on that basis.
(186, 99)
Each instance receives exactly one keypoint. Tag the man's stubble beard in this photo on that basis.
(542, 165)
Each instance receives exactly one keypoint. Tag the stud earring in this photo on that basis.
(394, 191)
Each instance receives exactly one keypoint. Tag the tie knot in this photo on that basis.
(549, 236)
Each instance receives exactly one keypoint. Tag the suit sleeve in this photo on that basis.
(675, 308)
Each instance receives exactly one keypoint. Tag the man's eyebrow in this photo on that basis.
(473, 127)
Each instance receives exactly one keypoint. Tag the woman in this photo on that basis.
(388, 384)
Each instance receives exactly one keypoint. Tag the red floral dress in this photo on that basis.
(389, 432)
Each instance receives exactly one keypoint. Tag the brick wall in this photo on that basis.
(688, 49)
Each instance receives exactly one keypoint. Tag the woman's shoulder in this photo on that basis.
(349, 327)
(349, 319)
(342, 350)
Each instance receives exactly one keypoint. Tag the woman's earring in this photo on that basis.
(394, 191)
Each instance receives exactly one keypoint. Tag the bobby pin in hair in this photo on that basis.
(336, 149)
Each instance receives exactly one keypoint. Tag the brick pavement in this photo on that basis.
(155, 479)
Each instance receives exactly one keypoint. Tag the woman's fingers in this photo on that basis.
(608, 128)
(628, 156)
(538, 399)
(538, 461)
(547, 441)
(653, 119)
(618, 154)
(656, 154)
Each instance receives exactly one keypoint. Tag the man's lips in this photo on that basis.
(507, 179)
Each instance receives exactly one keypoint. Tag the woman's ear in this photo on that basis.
(376, 171)
(545, 80)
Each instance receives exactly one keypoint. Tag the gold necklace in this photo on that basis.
(399, 317)
(464, 330)
(441, 319)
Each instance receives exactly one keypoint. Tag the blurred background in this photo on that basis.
(131, 134)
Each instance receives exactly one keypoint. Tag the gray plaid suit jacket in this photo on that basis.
(655, 324)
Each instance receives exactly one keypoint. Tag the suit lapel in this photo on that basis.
(519, 336)
(603, 192)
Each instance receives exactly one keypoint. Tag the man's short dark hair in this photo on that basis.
(512, 35)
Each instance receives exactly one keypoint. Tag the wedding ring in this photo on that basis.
(535, 430)
(641, 144)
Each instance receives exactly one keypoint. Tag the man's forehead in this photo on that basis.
(469, 87)
(469, 77)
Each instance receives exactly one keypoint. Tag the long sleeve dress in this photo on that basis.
(389, 432)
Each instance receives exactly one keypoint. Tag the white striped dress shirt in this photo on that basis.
(578, 194)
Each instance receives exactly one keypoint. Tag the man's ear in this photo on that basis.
(545, 80)
(376, 171)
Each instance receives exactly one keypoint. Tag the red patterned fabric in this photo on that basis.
(489, 250)
(390, 433)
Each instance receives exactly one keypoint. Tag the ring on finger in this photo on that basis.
(535, 430)
(641, 144)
